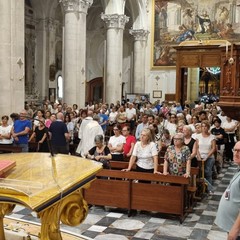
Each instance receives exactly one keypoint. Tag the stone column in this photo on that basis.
(52, 26)
(74, 70)
(12, 56)
(140, 40)
(114, 53)
(41, 72)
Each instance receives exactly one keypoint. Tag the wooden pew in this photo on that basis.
(9, 149)
(166, 194)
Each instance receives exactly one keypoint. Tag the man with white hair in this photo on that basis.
(59, 135)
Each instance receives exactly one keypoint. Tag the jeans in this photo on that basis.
(208, 165)
(23, 146)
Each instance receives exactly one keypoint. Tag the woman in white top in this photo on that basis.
(116, 143)
(146, 154)
(5, 131)
(112, 116)
(206, 148)
(230, 126)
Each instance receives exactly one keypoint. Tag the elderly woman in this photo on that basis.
(206, 148)
(191, 144)
(177, 158)
(100, 152)
(146, 154)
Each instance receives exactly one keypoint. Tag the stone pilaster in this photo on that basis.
(12, 56)
(74, 73)
(140, 40)
(115, 24)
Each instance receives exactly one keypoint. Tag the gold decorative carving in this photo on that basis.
(5, 208)
(71, 211)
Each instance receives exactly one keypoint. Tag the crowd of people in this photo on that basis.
(136, 132)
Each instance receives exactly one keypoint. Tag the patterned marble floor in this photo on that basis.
(111, 224)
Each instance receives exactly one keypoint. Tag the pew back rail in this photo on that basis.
(165, 194)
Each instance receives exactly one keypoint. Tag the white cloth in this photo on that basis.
(145, 155)
(85, 121)
(4, 131)
(89, 132)
(115, 141)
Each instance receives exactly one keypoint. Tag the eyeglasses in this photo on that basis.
(177, 139)
(115, 129)
(125, 130)
(236, 150)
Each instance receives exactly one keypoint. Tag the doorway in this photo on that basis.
(95, 90)
(200, 84)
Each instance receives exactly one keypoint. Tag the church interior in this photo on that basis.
(90, 52)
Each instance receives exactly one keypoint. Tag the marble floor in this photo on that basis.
(109, 223)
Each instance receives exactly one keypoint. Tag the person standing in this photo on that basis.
(206, 148)
(5, 131)
(59, 135)
(141, 126)
(40, 134)
(131, 116)
(116, 143)
(228, 214)
(20, 131)
(130, 142)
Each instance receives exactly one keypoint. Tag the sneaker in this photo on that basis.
(210, 193)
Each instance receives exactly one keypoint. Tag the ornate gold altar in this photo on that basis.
(50, 186)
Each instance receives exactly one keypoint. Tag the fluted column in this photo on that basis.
(115, 24)
(12, 56)
(74, 73)
(140, 39)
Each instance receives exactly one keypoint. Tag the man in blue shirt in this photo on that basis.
(103, 119)
(20, 131)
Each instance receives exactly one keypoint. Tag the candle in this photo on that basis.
(231, 50)
(226, 50)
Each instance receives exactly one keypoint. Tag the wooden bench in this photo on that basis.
(165, 194)
(10, 149)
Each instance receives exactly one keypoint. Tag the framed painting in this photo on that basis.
(178, 21)
(157, 94)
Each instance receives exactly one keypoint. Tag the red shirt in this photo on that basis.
(127, 146)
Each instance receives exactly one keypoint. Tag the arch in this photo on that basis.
(138, 11)
(114, 7)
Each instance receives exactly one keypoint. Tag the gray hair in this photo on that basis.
(98, 138)
(96, 117)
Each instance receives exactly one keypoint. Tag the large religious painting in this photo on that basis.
(176, 21)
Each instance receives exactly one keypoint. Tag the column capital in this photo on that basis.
(115, 20)
(76, 6)
(139, 34)
(51, 24)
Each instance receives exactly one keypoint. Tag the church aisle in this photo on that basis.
(110, 224)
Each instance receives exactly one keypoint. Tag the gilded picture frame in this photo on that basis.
(157, 94)
(177, 21)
